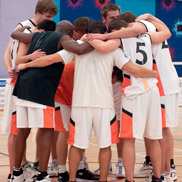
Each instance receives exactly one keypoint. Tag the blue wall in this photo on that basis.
(167, 11)
(137, 7)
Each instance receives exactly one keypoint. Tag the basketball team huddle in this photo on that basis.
(115, 77)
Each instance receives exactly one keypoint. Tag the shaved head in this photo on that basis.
(65, 26)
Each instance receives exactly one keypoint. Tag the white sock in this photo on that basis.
(62, 168)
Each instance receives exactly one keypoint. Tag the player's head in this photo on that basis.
(45, 9)
(81, 27)
(47, 25)
(97, 27)
(65, 26)
(127, 16)
(116, 24)
(109, 12)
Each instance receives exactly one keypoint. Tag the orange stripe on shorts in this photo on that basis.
(126, 124)
(114, 131)
(59, 126)
(14, 129)
(163, 116)
(48, 117)
(71, 138)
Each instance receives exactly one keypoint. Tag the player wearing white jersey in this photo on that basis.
(97, 79)
(139, 101)
(42, 12)
(9, 115)
(169, 91)
(109, 12)
(131, 87)
(133, 29)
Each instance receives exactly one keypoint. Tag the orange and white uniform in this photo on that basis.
(63, 98)
(140, 104)
(168, 82)
(9, 114)
(92, 101)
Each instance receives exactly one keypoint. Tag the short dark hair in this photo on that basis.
(97, 27)
(116, 24)
(109, 7)
(127, 16)
(81, 24)
(47, 25)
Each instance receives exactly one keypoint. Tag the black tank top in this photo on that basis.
(39, 84)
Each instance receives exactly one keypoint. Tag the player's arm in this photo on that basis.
(163, 31)
(22, 56)
(161, 35)
(72, 46)
(7, 60)
(105, 46)
(42, 62)
(139, 71)
(23, 37)
(150, 17)
(132, 30)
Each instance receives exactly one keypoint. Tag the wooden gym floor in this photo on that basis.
(92, 153)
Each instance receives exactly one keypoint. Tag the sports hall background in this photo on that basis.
(169, 11)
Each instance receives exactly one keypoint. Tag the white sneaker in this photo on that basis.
(144, 171)
(120, 172)
(30, 174)
(168, 178)
(53, 170)
(149, 178)
(173, 174)
(46, 179)
(97, 171)
(17, 178)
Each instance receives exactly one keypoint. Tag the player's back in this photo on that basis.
(162, 62)
(140, 50)
(92, 79)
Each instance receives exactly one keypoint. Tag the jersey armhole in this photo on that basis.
(144, 25)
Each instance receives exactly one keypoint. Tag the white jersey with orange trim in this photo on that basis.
(163, 64)
(15, 43)
(140, 51)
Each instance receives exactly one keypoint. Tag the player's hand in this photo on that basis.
(11, 73)
(84, 37)
(22, 66)
(155, 74)
(37, 54)
(145, 16)
(92, 36)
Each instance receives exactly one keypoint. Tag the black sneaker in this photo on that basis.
(86, 174)
(154, 179)
(9, 177)
(63, 177)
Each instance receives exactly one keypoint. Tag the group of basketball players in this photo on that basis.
(120, 110)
